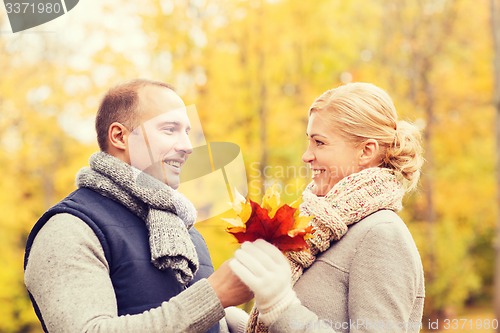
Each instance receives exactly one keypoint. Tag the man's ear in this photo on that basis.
(118, 136)
(369, 154)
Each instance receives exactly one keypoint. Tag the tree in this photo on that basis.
(422, 50)
(495, 25)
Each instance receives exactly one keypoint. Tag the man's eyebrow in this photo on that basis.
(173, 122)
(167, 122)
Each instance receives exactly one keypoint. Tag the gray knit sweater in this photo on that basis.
(370, 281)
(68, 275)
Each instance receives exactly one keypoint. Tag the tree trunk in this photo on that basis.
(495, 24)
(262, 99)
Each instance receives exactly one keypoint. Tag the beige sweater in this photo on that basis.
(68, 276)
(371, 280)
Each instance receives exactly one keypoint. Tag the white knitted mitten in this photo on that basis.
(236, 319)
(264, 269)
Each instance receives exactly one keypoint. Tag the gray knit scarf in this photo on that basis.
(167, 214)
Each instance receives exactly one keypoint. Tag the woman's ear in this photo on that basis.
(369, 154)
(117, 136)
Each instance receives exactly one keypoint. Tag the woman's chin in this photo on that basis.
(319, 189)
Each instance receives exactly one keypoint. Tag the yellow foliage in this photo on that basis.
(253, 69)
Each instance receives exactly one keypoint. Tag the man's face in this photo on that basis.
(160, 145)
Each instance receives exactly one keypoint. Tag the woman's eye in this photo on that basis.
(319, 143)
(168, 130)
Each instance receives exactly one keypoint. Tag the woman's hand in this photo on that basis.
(264, 269)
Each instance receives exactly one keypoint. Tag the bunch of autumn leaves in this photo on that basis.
(280, 225)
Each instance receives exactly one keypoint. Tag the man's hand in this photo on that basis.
(228, 287)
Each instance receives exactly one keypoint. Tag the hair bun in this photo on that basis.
(405, 155)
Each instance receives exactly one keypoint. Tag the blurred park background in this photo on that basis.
(252, 68)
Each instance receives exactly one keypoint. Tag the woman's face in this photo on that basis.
(329, 155)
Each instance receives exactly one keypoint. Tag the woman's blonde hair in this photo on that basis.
(361, 111)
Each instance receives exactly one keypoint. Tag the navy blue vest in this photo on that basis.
(139, 286)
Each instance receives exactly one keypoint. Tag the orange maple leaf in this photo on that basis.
(282, 226)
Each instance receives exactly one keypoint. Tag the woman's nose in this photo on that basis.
(308, 156)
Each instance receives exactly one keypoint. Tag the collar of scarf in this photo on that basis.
(349, 201)
(167, 214)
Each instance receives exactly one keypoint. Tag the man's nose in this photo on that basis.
(184, 144)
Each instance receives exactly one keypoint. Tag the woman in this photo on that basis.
(363, 272)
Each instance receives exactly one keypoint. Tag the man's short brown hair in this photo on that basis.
(120, 104)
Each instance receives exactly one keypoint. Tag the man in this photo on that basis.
(120, 254)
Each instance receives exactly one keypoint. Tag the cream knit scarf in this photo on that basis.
(349, 201)
(167, 214)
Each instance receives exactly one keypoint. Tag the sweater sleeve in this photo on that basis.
(68, 276)
(384, 288)
(384, 282)
(299, 319)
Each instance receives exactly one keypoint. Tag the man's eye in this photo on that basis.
(168, 130)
